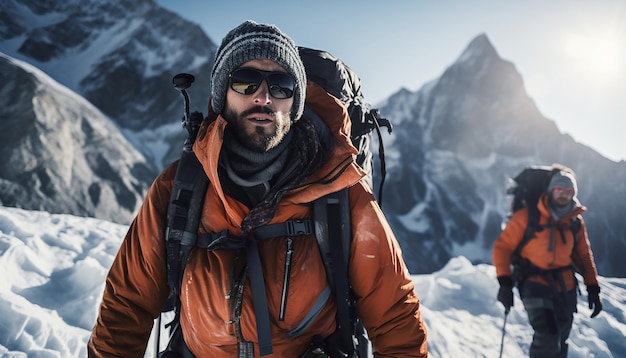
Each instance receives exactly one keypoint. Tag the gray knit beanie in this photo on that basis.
(563, 179)
(249, 41)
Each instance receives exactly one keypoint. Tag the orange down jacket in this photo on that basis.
(548, 249)
(136, 286)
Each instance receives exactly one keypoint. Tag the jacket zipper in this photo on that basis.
(287, 274)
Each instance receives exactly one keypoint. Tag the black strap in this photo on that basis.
(531, 227)
(287, 228)
(259, 298)
(223, 240)
(332, 231)
(374, 117)
(183, 217)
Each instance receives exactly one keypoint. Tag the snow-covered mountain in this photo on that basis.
(455, 143)
(121, 56)
(53, 277)
(60, 153)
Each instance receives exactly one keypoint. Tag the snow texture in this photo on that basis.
(54, 268)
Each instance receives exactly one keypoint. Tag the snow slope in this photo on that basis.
(53, 269)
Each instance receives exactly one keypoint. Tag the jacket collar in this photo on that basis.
(340, 170)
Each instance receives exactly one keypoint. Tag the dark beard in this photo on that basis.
(259, 140)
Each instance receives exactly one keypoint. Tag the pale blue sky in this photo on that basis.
(571, 53)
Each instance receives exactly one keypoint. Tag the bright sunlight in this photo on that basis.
(600, 58)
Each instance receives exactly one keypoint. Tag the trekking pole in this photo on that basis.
(158, 338)
(506, 314)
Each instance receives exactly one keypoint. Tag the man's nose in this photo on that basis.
(262, 95)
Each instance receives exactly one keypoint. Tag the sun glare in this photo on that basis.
(597, 57)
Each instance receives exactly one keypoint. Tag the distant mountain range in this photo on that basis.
(455, 141)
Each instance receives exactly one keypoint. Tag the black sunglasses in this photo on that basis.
(247, 80)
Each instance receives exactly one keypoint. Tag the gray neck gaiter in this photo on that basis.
(559, 211)
(249, 168)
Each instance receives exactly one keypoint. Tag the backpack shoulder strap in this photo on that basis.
(532, 226)
(333, 232)
(577, 261)
(575, 226)
(183, 218)
(331, 215)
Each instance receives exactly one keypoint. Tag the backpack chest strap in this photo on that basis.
(287, 228)
(223, 240)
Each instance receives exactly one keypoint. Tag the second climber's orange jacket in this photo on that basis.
(550, 248)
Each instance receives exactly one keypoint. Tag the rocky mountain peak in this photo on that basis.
(61, 154)
(456, 143)
(123, 56)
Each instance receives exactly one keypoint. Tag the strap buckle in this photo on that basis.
(299, 227)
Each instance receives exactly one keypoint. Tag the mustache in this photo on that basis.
(258, 109)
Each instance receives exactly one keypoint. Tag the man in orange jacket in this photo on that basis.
(546, 283)
(266, 162)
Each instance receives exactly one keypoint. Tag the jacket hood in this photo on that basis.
(340, 170)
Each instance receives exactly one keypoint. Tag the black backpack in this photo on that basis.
(527, 188)
(342, 82)
(331, 215)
